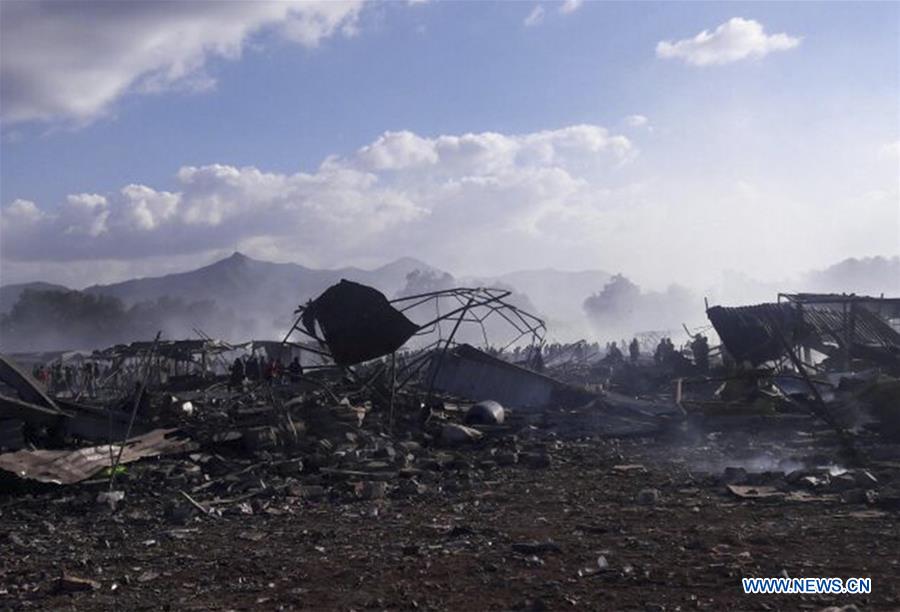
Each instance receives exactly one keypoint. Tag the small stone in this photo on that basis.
(734, 475)
(370, 489)
(110, 498)
(648, 497)
(179, 512)
(411, 487)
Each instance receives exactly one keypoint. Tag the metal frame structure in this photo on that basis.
(453, 307)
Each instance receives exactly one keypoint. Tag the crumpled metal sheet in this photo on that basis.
(25, 385)
(751, 333)
(358, 323)
(71, 466)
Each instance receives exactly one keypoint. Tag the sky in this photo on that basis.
(668, 141)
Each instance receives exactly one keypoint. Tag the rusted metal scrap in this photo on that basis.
(71, 466)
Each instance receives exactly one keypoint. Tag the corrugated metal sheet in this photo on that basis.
(473, 374)
(71, 466)
(867, 328)
(751, 333)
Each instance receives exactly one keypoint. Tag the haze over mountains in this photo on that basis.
(240, 297)
(250, 283)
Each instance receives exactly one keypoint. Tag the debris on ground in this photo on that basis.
(387, 461)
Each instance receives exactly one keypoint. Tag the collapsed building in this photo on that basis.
(358, 345)
(443, 399)
(840, 328)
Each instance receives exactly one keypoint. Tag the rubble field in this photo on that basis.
(629, 524)
(201, 475)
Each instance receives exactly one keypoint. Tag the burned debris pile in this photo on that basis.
(371, 407)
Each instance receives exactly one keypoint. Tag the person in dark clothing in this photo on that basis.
(634, 350)
(278, 371)
(614, 354)
(237, 374)
(295, 370)
(253, 368)
(700, 349)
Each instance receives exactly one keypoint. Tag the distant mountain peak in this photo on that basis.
(235, 260)
(238, 257)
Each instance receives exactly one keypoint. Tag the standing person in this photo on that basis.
(634, 350)
(236, 380)
(70, 377)
(278, 371)
(700, 349)
(538, 362)
(56, 377)
(669, 355)
(295, 370)
(252, 368)
(615, 355)
(87, 378)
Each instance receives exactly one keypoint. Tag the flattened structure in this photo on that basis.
(71, 466)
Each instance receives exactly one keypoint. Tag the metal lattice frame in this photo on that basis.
(455, 307)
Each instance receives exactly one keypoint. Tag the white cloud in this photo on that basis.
(636, 121)
(73, 60)
(403, 193)
(85, 215)
(22, 212)
(398, 150)
(535, 17)
(570, 6)
(734, 40)
(890, 150)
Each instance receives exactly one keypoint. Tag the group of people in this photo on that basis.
(665, 351)
(614, 353)
(72, 379)
(257, 368)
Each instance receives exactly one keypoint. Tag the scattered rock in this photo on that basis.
(734, 475)
(648, 497)
(110, 498)
(453, 434)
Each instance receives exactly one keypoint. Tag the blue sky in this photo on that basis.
(734, 154)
